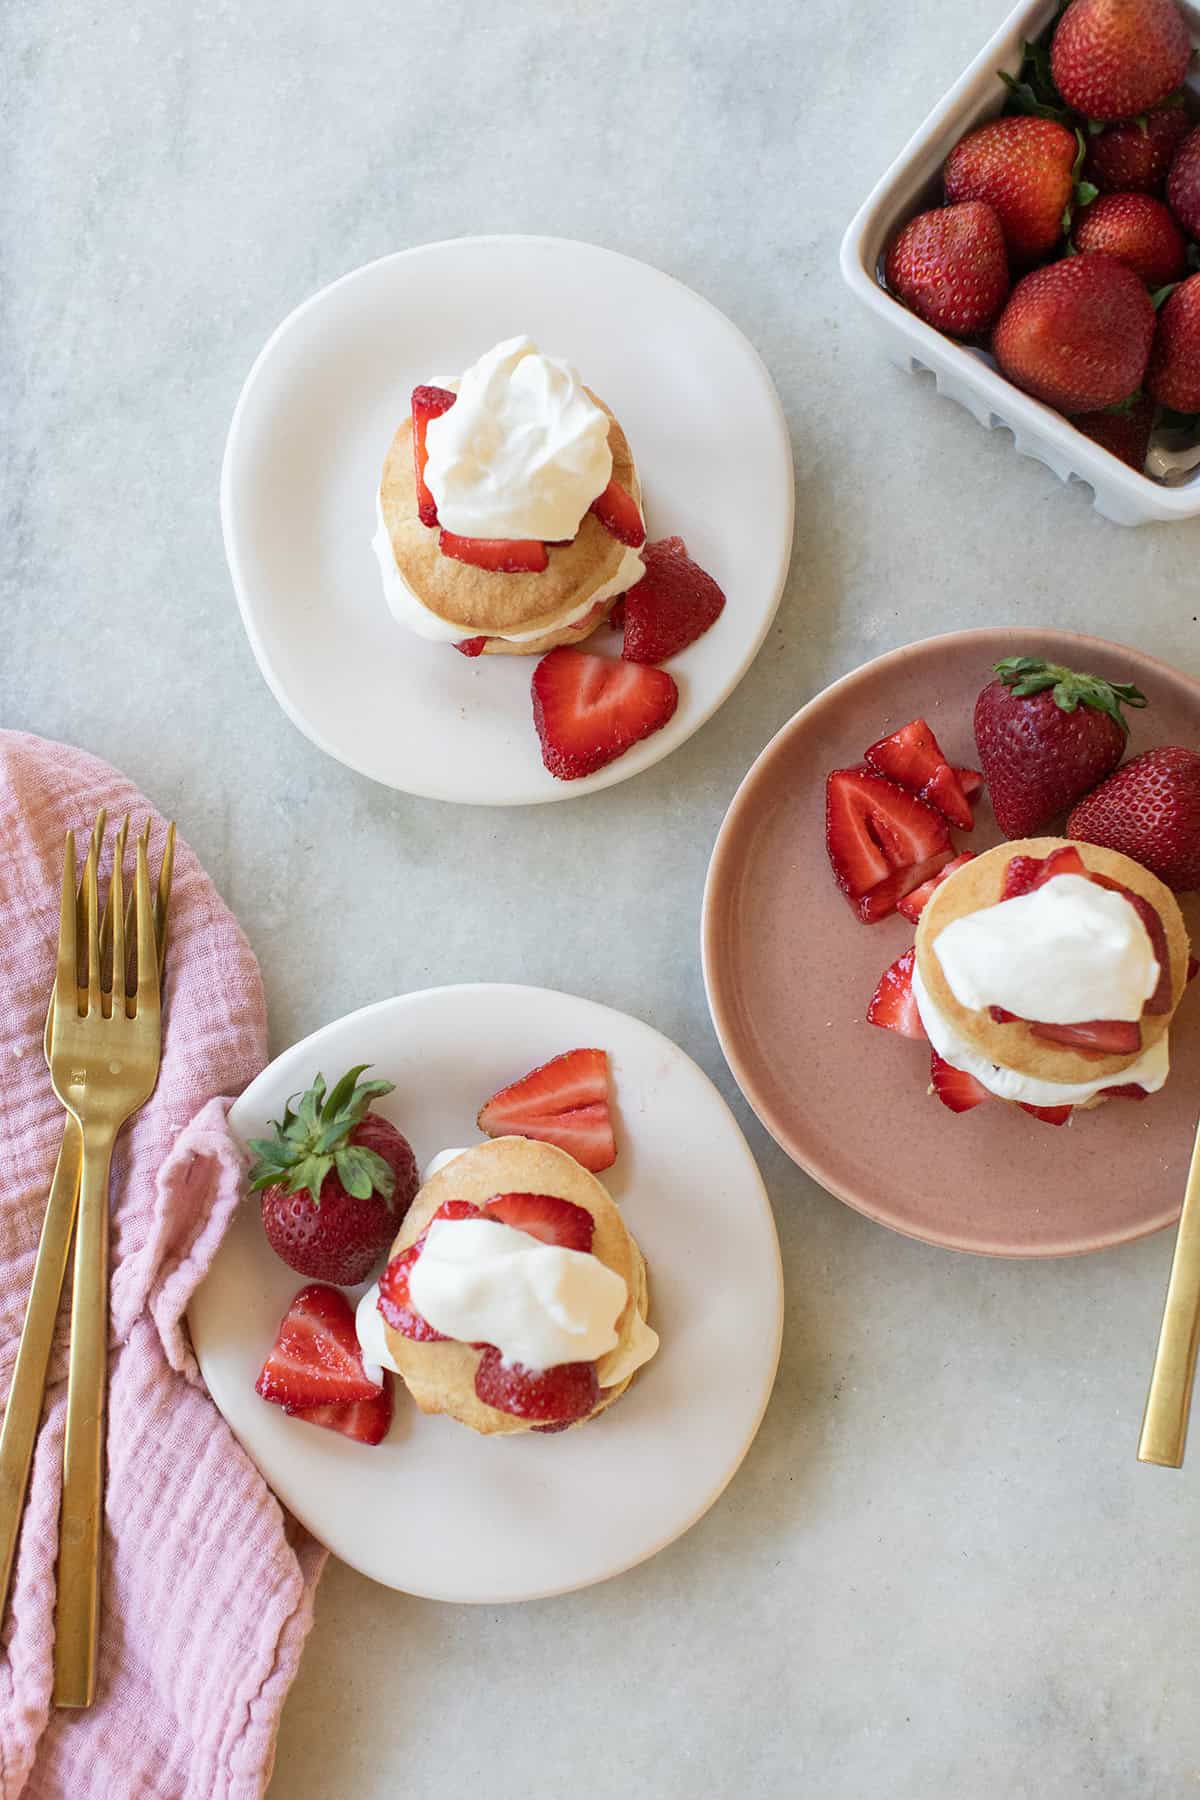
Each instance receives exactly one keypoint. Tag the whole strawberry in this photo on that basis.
(1183, 184)
(1124, 432)
(951, 268)
(1135, 156)
(1024, 169)
(1113, 59)
(1150, 810)
(1138, 231)
(1174, 373)
(336, 1181)
(1077, 334)
(1045, 736)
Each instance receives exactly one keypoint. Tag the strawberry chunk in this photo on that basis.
(427, 403)
(893, 1004)
(1126, 1090)
(913, 757)
(503, 556)
(471, 646)
(1049, 1115)
(971, 782)
(545, 1216)
(674, 603)
(620, 515)
(557, 1396)
(885, 897)
(563, 1102)
(914, 903)
(366, 1421)
(1094, 1037)
(874, 829)
(944, 790)
(954, 1087)
(395, 1302)
(1024, 873)
(589, 710)
(316, 1359)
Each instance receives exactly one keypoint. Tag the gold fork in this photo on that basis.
(1164, 1427)
(103, 1067)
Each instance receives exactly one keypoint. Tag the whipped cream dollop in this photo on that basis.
(1069, 951)
(523, 451)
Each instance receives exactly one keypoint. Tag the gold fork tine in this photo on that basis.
(163, 899)
(106, 918)
(68, 961)
(115, 910)
(147, 949)
(93, 933)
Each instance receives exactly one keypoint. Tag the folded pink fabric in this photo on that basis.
(208, 1587)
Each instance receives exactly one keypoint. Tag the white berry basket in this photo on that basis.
(969, 375)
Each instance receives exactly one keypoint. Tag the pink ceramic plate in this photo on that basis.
(789, 972)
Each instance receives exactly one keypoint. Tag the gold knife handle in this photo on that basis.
(81, 1521)
(1164, 1428)
(23, 1412)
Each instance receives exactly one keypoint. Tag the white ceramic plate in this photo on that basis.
(435, 1509)
(302, 465)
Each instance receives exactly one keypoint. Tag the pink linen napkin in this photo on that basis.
(208, 1586)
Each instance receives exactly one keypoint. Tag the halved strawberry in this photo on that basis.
(954, 1087)
(913, 757)
(503, 556)
(875, 829)
(673, 604)
(914, 903)
(545, 1216)
(1094, 1037)
(316, 1359)
(589, 710)
(893, 1006)
(394, 1301)
(563, 1102)
(557, 1395)
(471, 646)
(366, 1421)
(619, 514)
(1049, 1115)
(427, 403)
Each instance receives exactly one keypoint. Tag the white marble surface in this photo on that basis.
(941, 1572)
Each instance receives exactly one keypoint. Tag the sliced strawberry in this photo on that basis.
(1049, 1115)
(545, 1216)
(427, 403)
(1001, 1016)
(874, 828)
(944, 790)
(366, 1421)
(893, 1006)
(619, 514)
(563, 1102)
(885, 897)
(1094, 1037)
(471, 646)
(954, 1087)
(558, 1395)
(316, 1359)
(1126, 1090)
(589, 710)
(673, 604)
(914, 903)
(911, 756)
(1025, 873)
(503, 556)
(394, 1301)
(970, 781)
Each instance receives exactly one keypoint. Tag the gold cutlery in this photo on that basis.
(1164, 1428)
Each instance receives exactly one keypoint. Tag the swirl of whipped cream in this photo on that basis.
(522, 453)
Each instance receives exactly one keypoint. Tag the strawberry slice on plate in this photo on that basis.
(553, 1396)
(893, 1004)
(544, 1216)
(1049, 1115)
(883, 841)
(913, 757)
(971, 782)
(954, 1087)
(316, 1359)
(503, 556)
(427, 403)
(914, 903)
(562, 1102)
(674, 603)
(471, 646)
(366, 1421)
(589, 710)
(620, 515)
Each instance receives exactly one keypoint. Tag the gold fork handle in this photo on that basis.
(1164, 1428)
(81, 1521)
(24, 1410)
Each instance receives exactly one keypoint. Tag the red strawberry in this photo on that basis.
(1134, 157)
(589, 710)
(560, 1394)
(394, 1301)
(1138, 231)
(1024, 873)
(1024, 169)
(1094, 1037)
(673, 604)
(545, 1216)
(471, 646)
(427, 403)
(366, 1421)
(875, 832)
(914, 904)
(563, 1102)
(336, 1180)
(1049, 1115)
(616, 617)
(885, 897)
(1150, 810)
(316, 1359)
(954, 1087)
(1077, 334)
(1183, 184)
(970, 781)
(1045, 736)
(951, 268)
(1173, 377)
(893, 1005)
(913, 757)
(1124, 433)
(620, 516)
(1126, 1090)
(1112, 59)
(503, 556)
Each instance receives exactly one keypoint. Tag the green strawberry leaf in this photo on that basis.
(315, 1136)
(363, 1172)
(1160, 297)
(1026, 675)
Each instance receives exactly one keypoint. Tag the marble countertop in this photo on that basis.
(941, 1571)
